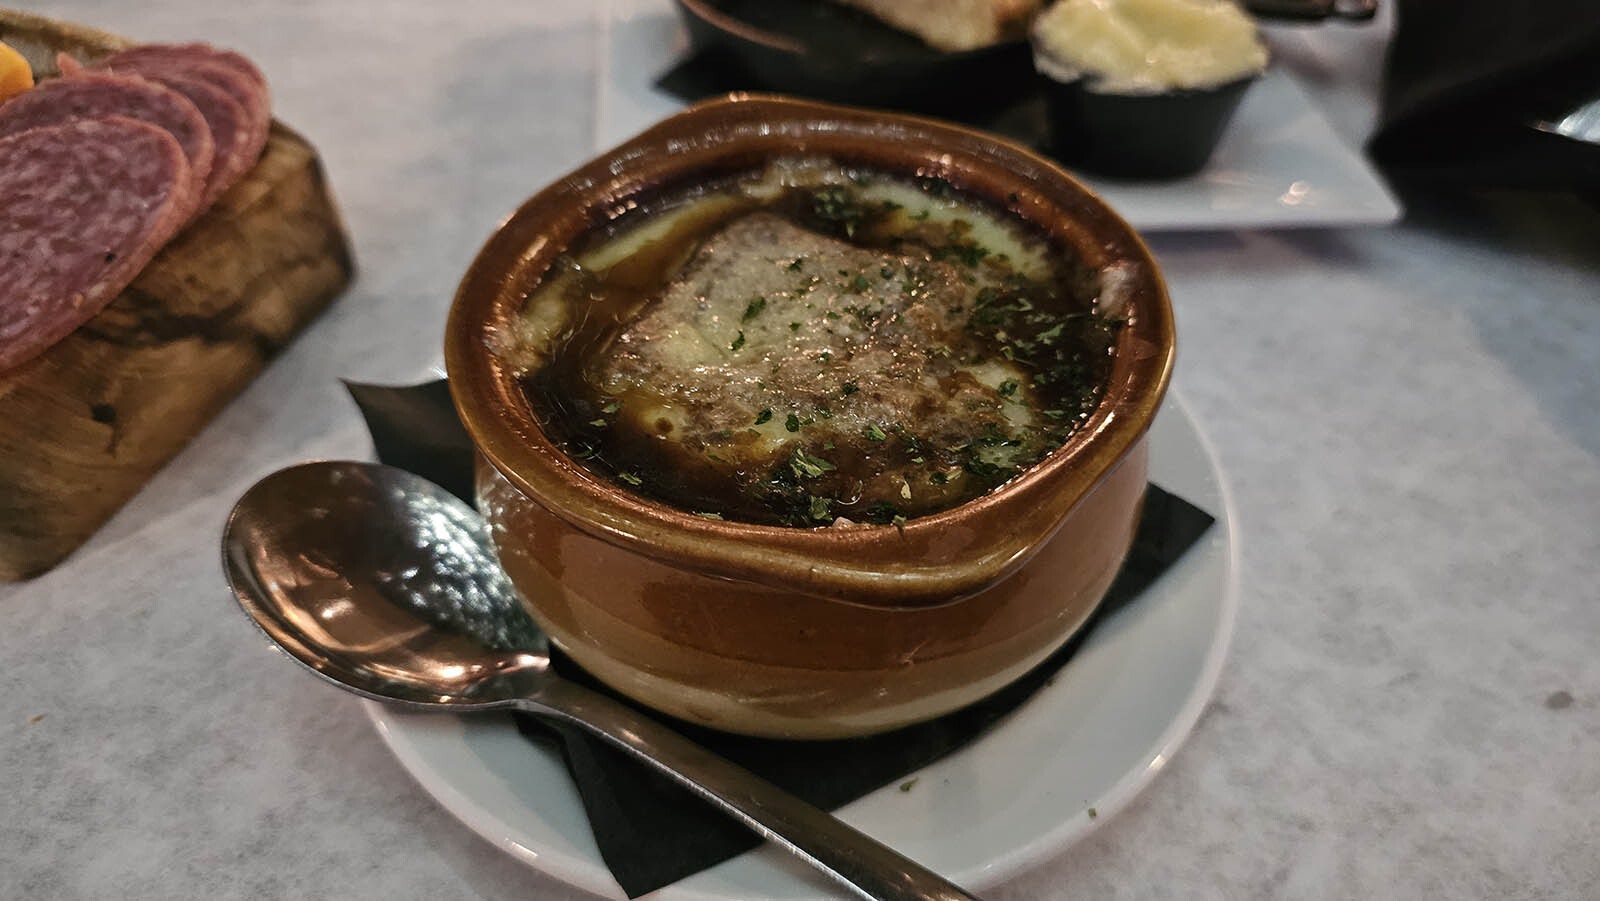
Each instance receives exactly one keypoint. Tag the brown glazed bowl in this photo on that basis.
(831, 631)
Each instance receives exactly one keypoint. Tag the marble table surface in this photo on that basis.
(1408, 418)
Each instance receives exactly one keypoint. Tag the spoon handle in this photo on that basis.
(870, 868)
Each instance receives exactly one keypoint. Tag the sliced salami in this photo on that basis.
(186, 54)
(233, 135)
(94, 95)
(225, 70)
(86, 205)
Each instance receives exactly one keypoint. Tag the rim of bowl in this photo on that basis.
(930, 560)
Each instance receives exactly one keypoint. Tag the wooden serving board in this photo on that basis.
(87, 423)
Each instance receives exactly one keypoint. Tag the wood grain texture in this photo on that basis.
(86, 424)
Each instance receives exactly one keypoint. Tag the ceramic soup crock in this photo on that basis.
(793, 632)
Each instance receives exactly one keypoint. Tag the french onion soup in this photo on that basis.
(813, 345)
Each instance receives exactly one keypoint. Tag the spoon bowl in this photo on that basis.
(381, 582)
(386, 585)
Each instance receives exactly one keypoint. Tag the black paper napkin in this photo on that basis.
(652, 833)
(1465, 80)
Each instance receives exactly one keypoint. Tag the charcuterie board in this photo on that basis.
(86, 423)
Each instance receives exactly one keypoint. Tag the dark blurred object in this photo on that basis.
(829, 52)
(1475, 91)
(1313, 10)
(1166, 135)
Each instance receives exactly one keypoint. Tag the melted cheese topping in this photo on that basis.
(775, 334)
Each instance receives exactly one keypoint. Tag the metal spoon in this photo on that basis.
(387, 585)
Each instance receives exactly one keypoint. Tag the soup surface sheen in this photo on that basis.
(811, 345)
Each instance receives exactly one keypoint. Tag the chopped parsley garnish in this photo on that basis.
(966, 253)
(874, 433)
(798, 262)
(717, 516)
(630, 478)
(860, 283)
(808, 467)
(754, 309)
(1008, 387)
(820, 507)
(763, 416)
(598, 423)
(848, 388)
(983, 469)
(911, 442)
(792, 423)
(737, 342)
(611, 407)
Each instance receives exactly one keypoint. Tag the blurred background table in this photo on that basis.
(1408, 418)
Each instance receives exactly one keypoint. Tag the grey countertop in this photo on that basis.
(1408, 418)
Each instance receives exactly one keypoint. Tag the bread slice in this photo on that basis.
(954, 24)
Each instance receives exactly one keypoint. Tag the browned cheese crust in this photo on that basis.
(775, 338)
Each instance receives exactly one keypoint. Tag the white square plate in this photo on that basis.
(1280, 165)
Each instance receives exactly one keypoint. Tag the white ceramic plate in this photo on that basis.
(1020, 794)
(1280, 164)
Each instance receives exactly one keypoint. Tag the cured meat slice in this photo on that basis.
(83, 207)
(179, 55)
(223, 69)
(235, 138)
(93, 95)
